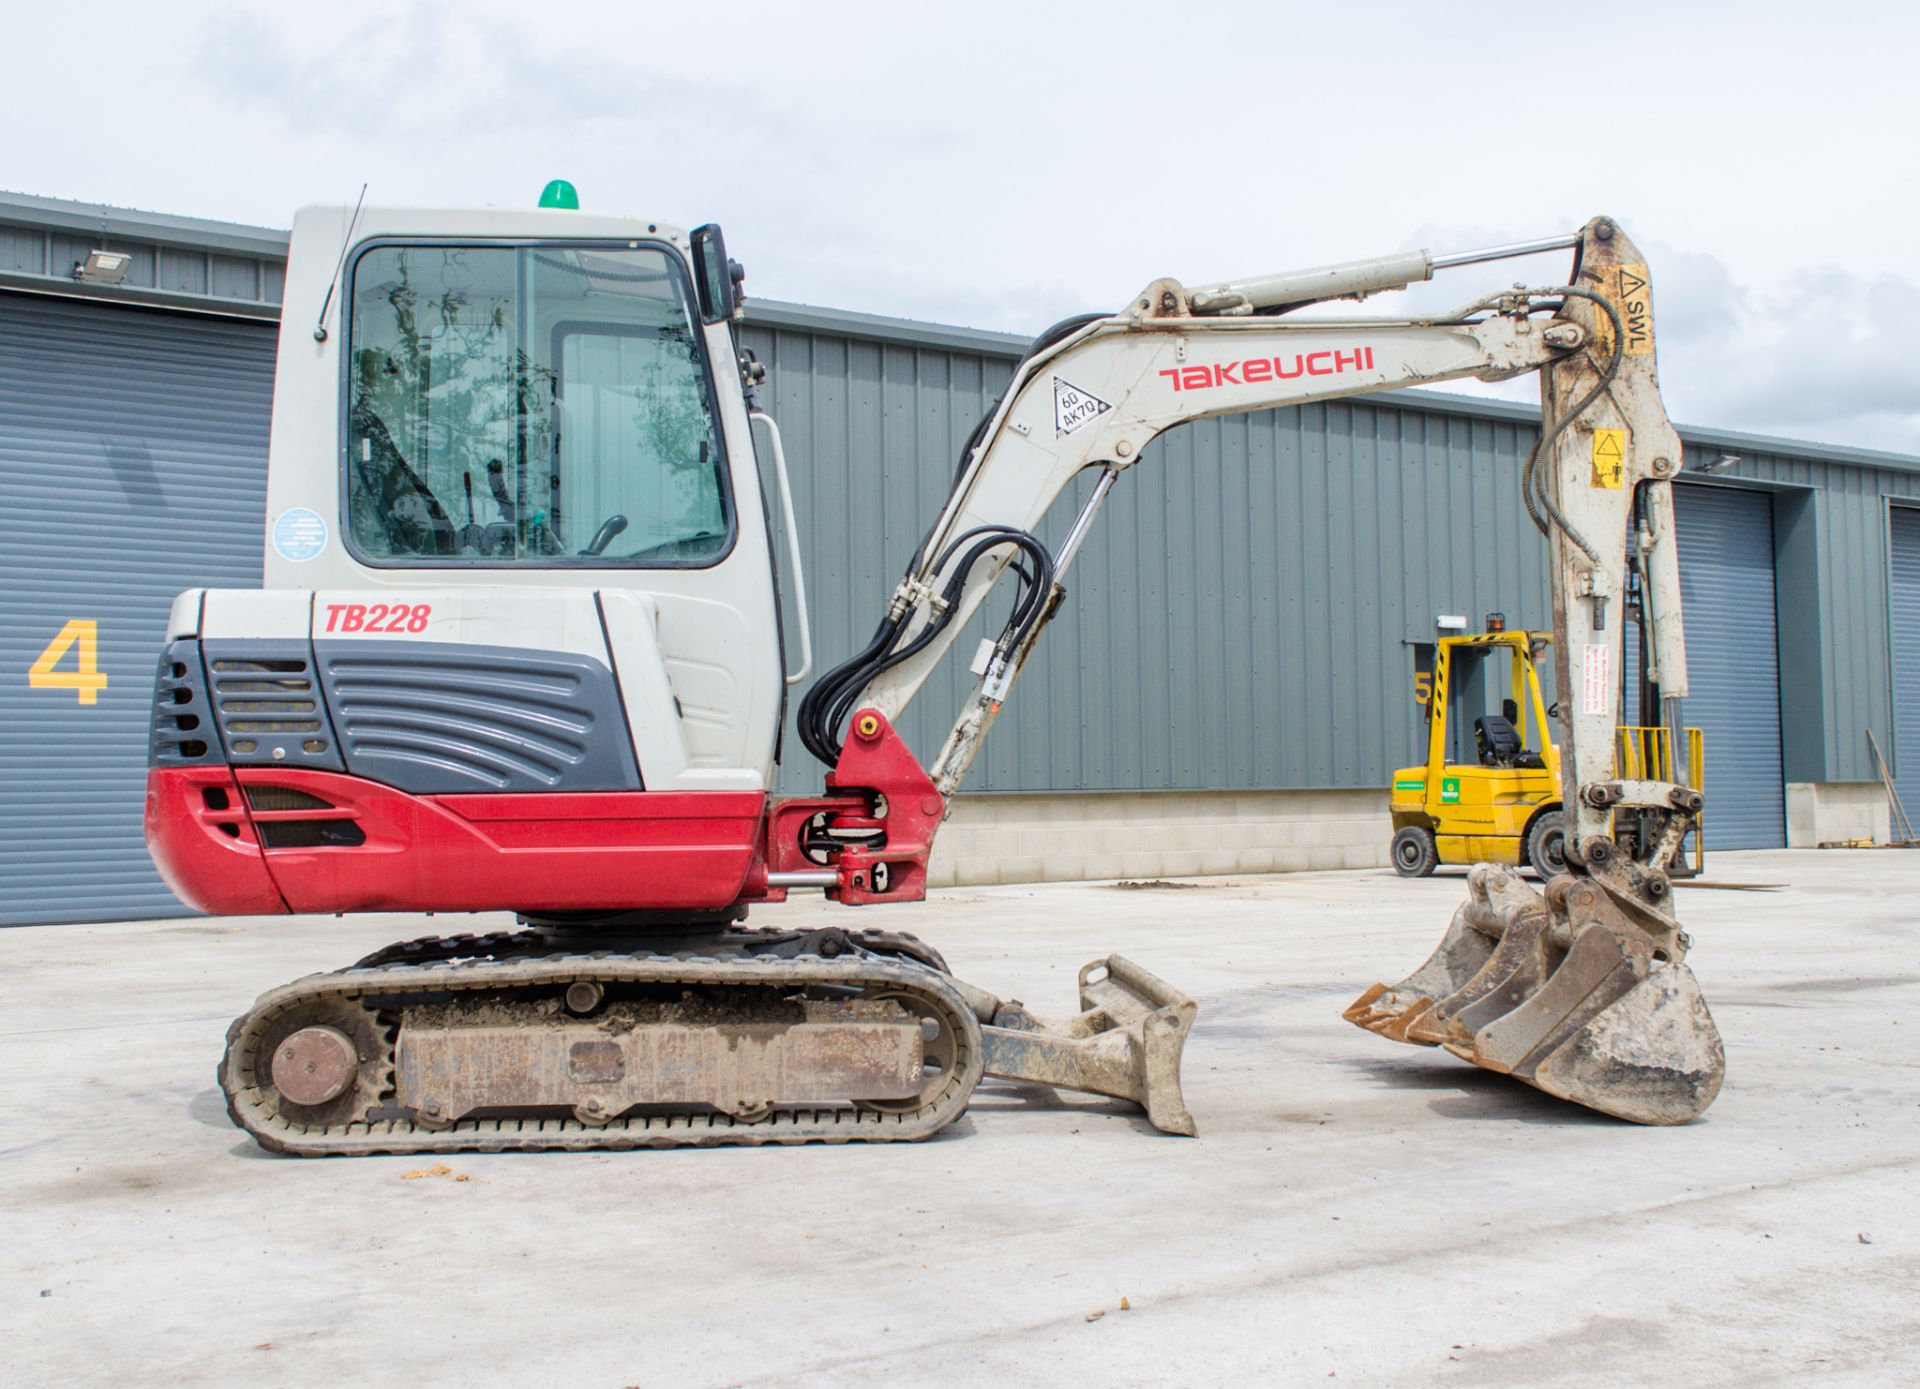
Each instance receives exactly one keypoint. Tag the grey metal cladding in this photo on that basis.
(1904, 570)
(1728, 603)
(267, 704)
(445, 717)
(180, 262)
(184, 734)
(133, 450)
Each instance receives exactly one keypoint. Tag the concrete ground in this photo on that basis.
(1353, 1209)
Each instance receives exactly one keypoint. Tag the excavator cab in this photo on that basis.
(520, 591)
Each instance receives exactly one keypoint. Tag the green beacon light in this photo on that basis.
(560, 194)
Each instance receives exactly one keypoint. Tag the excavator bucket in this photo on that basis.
(1125, 1042)
(1562, 991)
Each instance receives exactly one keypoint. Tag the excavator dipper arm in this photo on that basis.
(1584, 991)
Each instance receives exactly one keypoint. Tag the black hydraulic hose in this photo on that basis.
(831, 698)
(820, 709)
(1532, 492)
(1048, 337)
(828, 703)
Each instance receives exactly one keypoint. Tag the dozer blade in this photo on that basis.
(1126, 1041)
(1561, 991)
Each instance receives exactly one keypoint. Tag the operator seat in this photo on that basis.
(1499, 745)
(1496, 741)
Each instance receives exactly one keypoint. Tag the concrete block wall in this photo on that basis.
(1833, 812)
(1157, 834)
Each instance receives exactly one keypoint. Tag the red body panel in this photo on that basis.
(551, 851)
(535, 852)
(204, 844)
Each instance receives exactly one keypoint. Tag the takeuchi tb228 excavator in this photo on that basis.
(520, 648)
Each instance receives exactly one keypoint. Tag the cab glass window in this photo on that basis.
(530, 406)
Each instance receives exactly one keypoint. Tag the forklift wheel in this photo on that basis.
(1547, 846)
(1415, 855)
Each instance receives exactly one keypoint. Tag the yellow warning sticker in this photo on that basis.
(1609, 457)
(1632, 297)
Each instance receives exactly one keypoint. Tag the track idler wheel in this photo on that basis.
(1561, 991)
(329, 1061)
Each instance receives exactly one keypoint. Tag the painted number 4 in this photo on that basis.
(82, 637)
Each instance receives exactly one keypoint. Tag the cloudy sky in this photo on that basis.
(1001, 165)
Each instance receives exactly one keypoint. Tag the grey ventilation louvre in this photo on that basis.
(268, 703)
(267, 697)
(284, 798)
(181, 732)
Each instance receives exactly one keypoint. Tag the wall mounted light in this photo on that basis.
(103, 267)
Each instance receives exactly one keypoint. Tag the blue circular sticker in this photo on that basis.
(299, 534)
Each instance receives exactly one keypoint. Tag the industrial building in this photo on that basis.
(1227, 688)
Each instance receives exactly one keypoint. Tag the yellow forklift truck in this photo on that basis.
(1504, 805)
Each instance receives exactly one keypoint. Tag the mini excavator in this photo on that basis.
(520, 647)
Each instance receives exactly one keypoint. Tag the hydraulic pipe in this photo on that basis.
(1354, 278)
(1507, 252)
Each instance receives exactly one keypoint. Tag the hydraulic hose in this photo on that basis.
(1531, 491)
(831, 698)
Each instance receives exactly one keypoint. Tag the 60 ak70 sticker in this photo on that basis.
(1073, 407)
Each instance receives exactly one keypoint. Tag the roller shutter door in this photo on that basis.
(1906, 659)
(1733, 661)
(132, 465)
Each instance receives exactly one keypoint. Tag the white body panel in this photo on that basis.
(183, 618)
(555, 619)
(286, 615)
(728, 679)
(678, 711)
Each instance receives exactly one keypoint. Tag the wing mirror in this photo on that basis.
(717, 279)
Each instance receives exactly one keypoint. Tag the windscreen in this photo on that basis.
(539, 406)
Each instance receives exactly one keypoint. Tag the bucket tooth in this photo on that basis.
(1565, 993)
(1493, 896)
(1424, 1027)
(1362, 1006)
(1407, 1026)
(1126, 1042)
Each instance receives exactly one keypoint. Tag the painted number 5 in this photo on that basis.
(85, 678)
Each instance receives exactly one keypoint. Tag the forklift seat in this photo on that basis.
(1497, 742)
(1499, 745)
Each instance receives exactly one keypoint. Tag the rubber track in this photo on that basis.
(735, 940)
(389, 985)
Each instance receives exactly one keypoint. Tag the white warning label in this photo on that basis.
(1596, 688)
(1073, 407)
